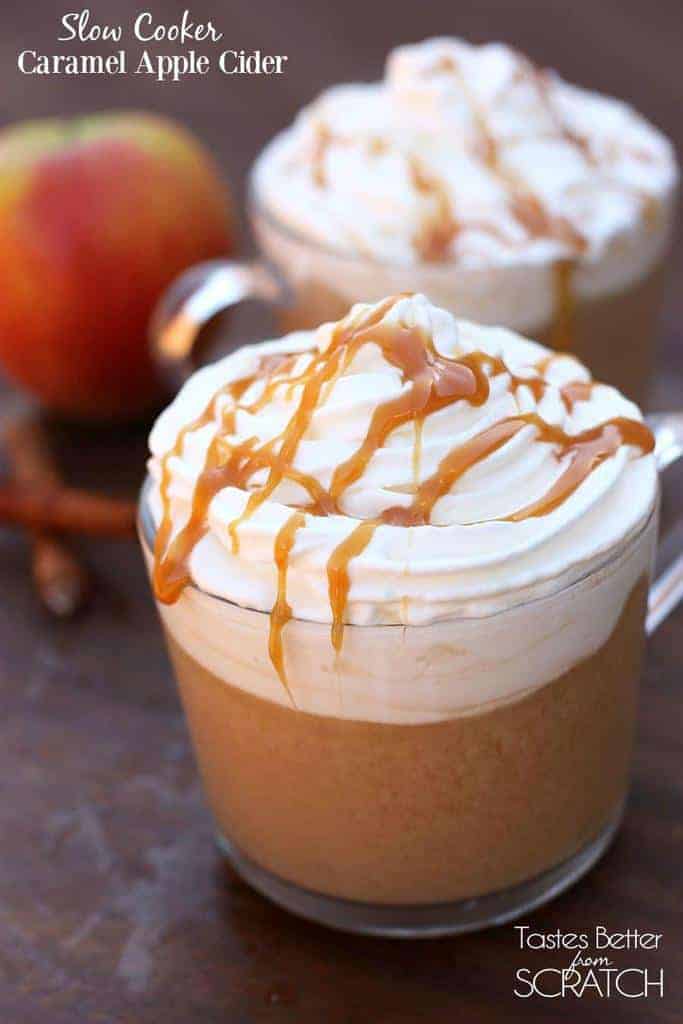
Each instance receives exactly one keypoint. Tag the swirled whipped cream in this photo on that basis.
(471, 155)
(451, 442)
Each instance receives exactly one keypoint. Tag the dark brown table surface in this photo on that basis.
(114, 903)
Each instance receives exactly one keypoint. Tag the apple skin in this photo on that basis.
(97, 216)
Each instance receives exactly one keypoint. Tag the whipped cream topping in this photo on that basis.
(470, 155)
(435, 522)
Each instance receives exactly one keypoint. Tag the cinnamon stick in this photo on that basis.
(61, 580)
(66, 509)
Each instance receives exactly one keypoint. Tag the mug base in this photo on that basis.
(414, 921)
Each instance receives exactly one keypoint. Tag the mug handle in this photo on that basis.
(667, 590)
(209, 288)
(195, 298)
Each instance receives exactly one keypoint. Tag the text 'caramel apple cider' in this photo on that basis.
(402, 565)
(501, 191)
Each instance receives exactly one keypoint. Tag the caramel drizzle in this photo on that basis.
(234, 465)
(338, 579)
(417, 450)
(171, 571)
(323, 369)
(171, 557)
(435, 382)
(562, 334)
(321, 143)
(434, 239)
(542, 79)
(450, 469)
(323, 138)
(526, 207)
(576, 391)
(281, 612)
(438, 231)
(170, 574)
(588, 450)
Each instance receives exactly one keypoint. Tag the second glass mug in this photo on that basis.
(308, 283)
(337, 856)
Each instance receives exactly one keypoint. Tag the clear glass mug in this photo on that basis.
(398, 791)
(308, 283)
(422, 802)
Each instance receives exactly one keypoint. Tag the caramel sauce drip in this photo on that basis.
(377, 146)
(322, 370)
(539, 223)
(531, 213)
(526, 207)
(435, 236)
(321, 143)
(417, 450)
(281, 612)
(171, 573)
(324, 138)
(450, 469)
(338, 581)
(542, 79)
(562, 335)
(576, 391)
(587, 451)
(435, 381)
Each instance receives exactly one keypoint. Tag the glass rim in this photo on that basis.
(147, 531)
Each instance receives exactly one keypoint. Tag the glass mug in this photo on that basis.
(309, 283)
(423, 802)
